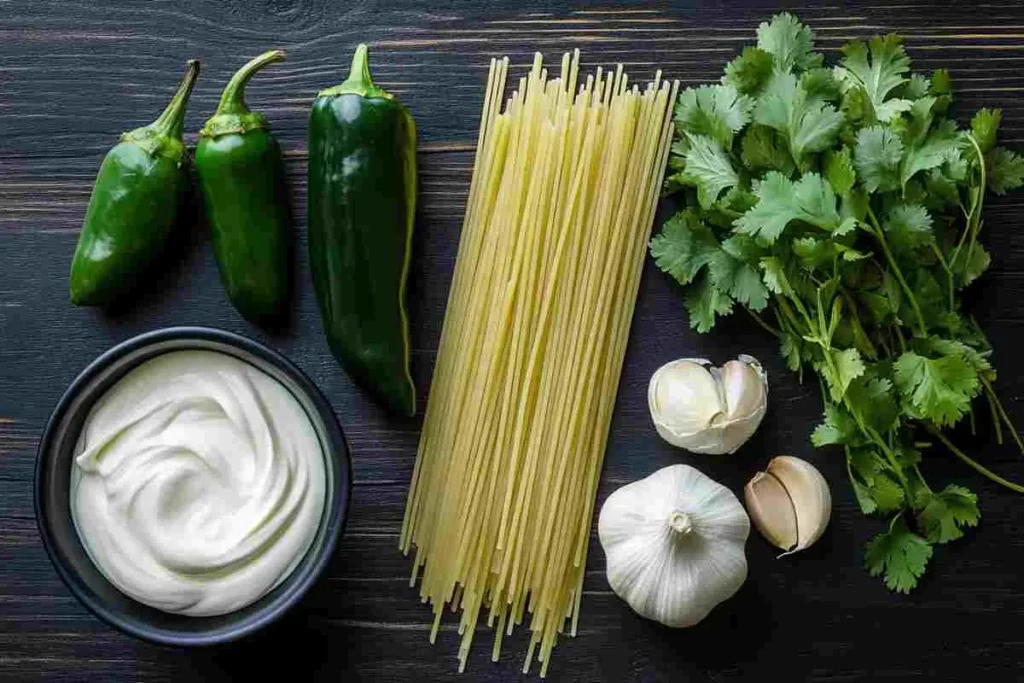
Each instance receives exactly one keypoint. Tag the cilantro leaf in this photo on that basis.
(900, 554)
(887, 495)
(916, 87)
(1005, 170)
(875, 488)
(946, 512)
(775, 276)
(954, 347)
(781, 201)
(866, 503)
(809, 124)
(984, 126)
(877, 158)
(792, 349)
(970, 263)
(684, 246)
(908, 226)
(718, 111)
(874, 398)
(846, 365)
(942, 83)
(765, 149)
(837, 429)
(704, 302)
(749, 72)
(708, 169)
(939, 389)
(820, 84)
(839, 170)
(739, 280)
(940, 185)
(913, 125)
(814, 253)
(937, 148)
(789, 42)
(878, 76)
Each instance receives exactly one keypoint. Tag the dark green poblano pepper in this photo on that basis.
(134, 205)
(362, 201)
(241, 174)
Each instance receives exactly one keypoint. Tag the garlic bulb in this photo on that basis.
(674, 544)
(790, 503)
(705, 409)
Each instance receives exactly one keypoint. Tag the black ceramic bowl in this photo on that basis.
(53, 473)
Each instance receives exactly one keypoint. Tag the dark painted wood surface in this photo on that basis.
(73, 75)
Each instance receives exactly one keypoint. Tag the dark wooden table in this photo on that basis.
(73, 75)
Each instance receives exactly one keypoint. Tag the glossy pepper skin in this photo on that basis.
(134, 205)
(362, 201)
(242, 178)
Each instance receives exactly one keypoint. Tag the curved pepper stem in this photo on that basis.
(359, 81)
(171, 122)
(232, 100)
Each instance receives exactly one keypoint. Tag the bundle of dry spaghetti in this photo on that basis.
(563, 195)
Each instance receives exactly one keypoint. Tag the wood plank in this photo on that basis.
(73, 75)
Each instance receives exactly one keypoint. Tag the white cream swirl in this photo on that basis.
(199, 483)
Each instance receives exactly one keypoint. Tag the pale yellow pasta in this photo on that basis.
(565, 185)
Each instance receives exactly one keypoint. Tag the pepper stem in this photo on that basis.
(680, 522)
(171, 122)
(359, 81)
(232, 100)
(359, 73)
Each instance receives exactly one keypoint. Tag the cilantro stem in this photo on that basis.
(974, 215)
(860, 335)
(949, 272)
(876, 230)
(761, 321)
(920, 478)
(996, 422)
(885, 347)
(973, 464)
(899, 337)
(787, 312)
(997, 406)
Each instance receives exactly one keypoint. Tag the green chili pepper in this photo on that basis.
(241, 174)
(362, 201)
(134, 205)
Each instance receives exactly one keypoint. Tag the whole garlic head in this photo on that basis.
(705, 409)
(674, 543)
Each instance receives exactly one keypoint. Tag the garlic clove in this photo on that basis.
(705, 409)
(771, 510)
(745, 387)
(789, 503)
(810, 494)
(683, 398)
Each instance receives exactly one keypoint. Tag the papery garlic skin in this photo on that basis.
(705, 409)
(674, 543)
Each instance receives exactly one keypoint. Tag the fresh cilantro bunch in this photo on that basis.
(842, 207)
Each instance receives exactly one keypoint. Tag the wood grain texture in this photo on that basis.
(74, 74)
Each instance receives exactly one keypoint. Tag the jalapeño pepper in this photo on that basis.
(134, 205)
(362, 201)
(241, 174)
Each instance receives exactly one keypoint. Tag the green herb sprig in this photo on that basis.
(842, 208)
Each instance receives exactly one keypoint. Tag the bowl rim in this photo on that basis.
(335, 511)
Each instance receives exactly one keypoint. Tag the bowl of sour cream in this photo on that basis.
(191, 485)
